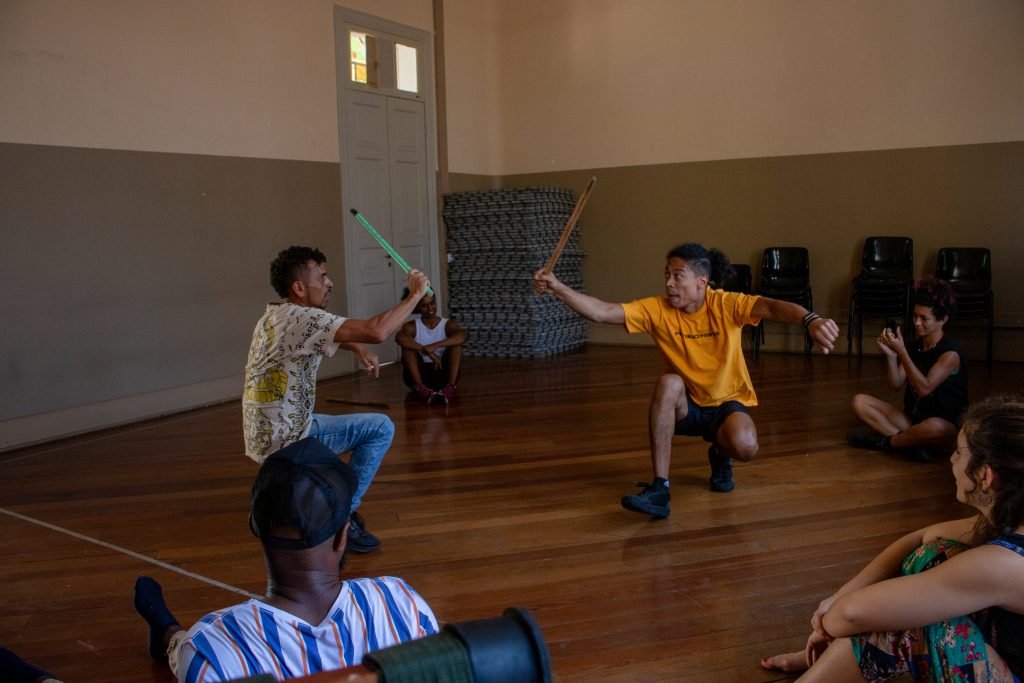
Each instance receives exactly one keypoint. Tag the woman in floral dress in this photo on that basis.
(945, 603)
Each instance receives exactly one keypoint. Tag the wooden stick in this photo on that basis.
(567, 230)
(384, 243)
(358, 375)
(373, 404)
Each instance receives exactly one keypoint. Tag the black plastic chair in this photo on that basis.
(883, 287)
(786, 275)
(742, 280)
(968, 270)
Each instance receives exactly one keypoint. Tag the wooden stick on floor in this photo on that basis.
(372, 404)
(570, 224)
(358, 375)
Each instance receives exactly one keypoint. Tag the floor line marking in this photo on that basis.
(130, 553)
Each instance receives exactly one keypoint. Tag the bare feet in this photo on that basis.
(789, 662)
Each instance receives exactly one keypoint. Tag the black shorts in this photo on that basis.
(917, 413)
(433, 377)
(704, 421)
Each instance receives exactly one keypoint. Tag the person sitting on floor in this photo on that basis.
(945, 603)
(310, 620)
(934, 371)
(431, 351)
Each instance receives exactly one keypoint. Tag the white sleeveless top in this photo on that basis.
(426, 336)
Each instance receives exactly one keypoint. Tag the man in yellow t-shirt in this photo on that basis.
(706, 388)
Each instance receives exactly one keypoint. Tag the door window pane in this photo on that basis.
(363, 58)
(405, 60)
(357, 58)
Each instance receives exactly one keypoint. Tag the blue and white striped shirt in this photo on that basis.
(253, 637)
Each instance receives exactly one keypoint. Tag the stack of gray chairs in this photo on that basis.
(497, 240)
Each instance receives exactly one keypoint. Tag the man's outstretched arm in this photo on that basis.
(381, 326)
(589, 307)
(824, 331)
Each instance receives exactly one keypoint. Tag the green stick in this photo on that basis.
(384, 243)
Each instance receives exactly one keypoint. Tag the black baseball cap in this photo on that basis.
(302, 496)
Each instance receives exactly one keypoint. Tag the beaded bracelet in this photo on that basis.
(810, 318)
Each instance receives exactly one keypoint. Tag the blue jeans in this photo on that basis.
(367, 435)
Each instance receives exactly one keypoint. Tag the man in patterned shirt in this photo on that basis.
(287, 346)
(310, 620)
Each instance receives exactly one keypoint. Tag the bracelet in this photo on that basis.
(810, 318)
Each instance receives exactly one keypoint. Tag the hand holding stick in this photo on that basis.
(384, 243)
(567, 230)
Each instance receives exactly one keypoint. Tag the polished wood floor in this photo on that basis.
(507, 497)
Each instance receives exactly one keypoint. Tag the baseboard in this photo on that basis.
(32, 429)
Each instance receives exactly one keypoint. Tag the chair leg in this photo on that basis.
(988, 346)
(991, 326)
(860, 335)
(849, 330)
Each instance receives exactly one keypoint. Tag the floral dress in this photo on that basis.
(950, 650)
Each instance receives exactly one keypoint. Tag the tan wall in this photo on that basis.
(155, 155)
(473, 81)
(251, 78)
(746, 124)
(944, 196)
(134, 279)
(607, 83)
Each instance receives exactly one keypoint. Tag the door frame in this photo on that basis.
(344, 20)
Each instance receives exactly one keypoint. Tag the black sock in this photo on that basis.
(886, 444)
(16, 670)
(149, 603)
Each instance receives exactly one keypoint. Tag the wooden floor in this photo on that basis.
(508, 497)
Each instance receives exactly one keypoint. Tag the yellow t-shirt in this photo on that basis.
(704, 348)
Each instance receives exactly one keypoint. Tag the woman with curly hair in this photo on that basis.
(933, 369)
(945, 603)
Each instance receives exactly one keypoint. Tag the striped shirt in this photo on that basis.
(254, 638)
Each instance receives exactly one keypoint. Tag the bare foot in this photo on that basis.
(789, 662)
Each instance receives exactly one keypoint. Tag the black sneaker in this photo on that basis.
(652, 501)
(721, 480)
(866, 438)
(359, 539)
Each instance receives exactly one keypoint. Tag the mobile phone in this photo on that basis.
(891, 325)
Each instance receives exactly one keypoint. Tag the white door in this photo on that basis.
(366, 188)
(388, 157)
(408, 172)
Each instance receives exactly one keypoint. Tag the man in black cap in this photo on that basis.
(310, 620)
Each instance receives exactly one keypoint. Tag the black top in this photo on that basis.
(949, 400)
(1006, 629)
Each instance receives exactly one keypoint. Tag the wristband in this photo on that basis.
(810, 318)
